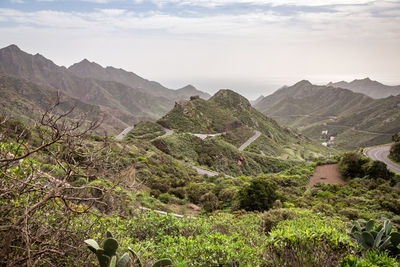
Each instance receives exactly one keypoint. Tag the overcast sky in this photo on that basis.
(253, 47)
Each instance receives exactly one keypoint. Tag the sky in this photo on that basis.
(253, 47)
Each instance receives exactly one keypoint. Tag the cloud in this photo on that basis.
(249, 42)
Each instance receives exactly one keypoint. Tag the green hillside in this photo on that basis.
(353, 119)
(231, 115)
(82, 186)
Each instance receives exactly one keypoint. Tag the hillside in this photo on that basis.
(79, 187)
(354, 119)
(369, 87)
(230, 115)
(26, 101)
(139, 99)
(86, 69)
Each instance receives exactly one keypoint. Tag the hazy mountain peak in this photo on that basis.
(188, 88)
(12, 47)
(303, 83)
(369, 87)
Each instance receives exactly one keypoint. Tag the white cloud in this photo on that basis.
(257, 46)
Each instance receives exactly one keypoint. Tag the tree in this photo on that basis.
(395, 152)
(46, 182)
(259, 194)
(351, 165)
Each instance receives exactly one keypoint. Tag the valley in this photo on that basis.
(192, 179)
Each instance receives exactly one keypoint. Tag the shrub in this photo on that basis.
(209, 202)
(380, 238)
(310, 240)
(371, 259)
(213, 249)
(258, 195)
(272, 217)
(395, 152)
(351, 165)
(377, 169)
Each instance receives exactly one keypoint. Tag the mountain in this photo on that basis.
(304, 99)
(86, 69)
(231, 117)
(354, 119)
(25, 100)
(369, 87)
(127, 97)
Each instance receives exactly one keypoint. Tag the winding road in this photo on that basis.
(381, 153)
(199, 170)
(249, 141)
(123, 133)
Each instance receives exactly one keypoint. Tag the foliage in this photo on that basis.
(380, 238)
(395, 152)
(351, 165)
(309, 240)
(107, 254)
(259, 195)
(371, 259)
(354, 165)
(145, 130)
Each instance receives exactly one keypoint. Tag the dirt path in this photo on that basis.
(326, 174)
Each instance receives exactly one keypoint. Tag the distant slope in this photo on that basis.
(112, 95)
(369, 87)
(26, 101)
(353, 118)
(304, 98)
(86, 69)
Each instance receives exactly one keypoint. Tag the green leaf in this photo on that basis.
(109, 234)
(113, 261)
(92, 245)
(367, 240)
(104, 260)
(378, 238)
(370, 224)
(387, 226)
(110, 246)
(395, 237)
(163, 263)
(135, 258)
(123, 261)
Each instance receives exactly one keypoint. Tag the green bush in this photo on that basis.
(259, 195)
(395, 152)
(377, 169)
(310, 240)
(351, 165)
(215, 249)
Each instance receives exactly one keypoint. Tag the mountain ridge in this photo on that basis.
(368, 87)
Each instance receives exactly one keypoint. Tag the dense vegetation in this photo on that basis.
(61, 185)
(395, 149)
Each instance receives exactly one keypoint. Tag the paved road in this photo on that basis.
(168, 132)
(250, 140)
(381, 153)
(201, 171)
(123, 133)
